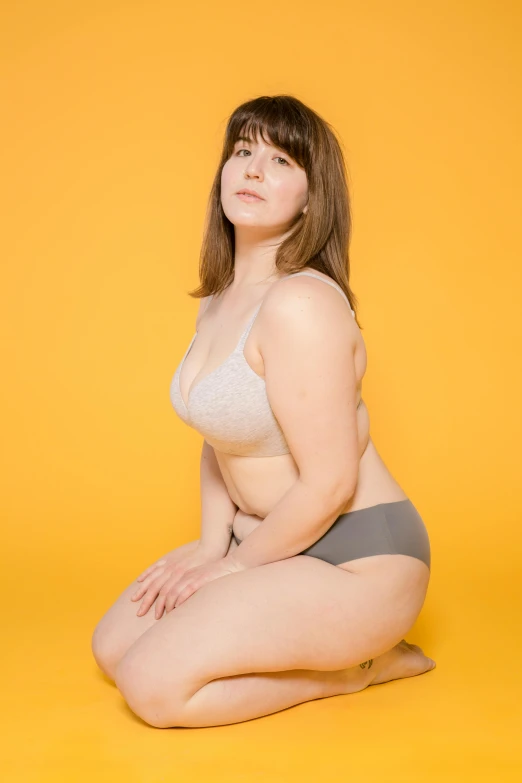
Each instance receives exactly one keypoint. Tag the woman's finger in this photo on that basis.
(145, 605)
(182, 597)
(166, 594)
(149, 569)
(160, 606)
(170, 601)
(147, 583)
(151, 594)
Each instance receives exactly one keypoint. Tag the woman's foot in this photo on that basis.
(403, 660)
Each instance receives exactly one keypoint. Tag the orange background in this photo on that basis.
(114, 117)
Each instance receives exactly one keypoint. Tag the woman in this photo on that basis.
(312, 562)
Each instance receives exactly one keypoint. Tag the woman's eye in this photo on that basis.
(278, 157)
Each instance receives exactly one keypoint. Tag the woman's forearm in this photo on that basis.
(300, 518)
(217, 508)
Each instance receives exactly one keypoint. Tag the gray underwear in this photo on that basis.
(384, 529)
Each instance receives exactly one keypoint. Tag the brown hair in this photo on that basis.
(320, 238)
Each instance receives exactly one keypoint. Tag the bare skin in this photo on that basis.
(197, 693)
(120, 630)
(256, 485)
(327, 630)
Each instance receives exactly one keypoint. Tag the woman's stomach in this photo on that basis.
(257, 484)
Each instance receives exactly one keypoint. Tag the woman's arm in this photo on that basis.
(308, 343)
(217, 508)
(301, 517)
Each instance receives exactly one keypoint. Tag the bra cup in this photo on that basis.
(233, 411)
(230, 406)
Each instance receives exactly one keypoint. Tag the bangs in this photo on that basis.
(277, 124)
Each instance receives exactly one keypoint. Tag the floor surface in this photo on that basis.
(65, 721)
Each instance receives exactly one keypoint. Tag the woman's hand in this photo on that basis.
(176, 590)
(174, 563)
(165, 579)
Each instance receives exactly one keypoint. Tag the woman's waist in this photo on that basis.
(256, 485)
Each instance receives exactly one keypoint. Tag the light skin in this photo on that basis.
(206, 663)
(259, 227)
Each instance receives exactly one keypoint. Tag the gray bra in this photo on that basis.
(229, 406)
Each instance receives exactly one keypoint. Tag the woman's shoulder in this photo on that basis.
(291, 288)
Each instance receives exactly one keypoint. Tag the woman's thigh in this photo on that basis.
(297, 613)
(120, 626)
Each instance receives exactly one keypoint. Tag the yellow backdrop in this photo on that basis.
(114, 114)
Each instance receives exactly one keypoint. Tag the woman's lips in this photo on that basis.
(248, 197)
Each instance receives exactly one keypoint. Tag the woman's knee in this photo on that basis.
(120, 626)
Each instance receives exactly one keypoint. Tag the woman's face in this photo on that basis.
(280, 182)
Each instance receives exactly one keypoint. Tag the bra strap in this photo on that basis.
(249, 326)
